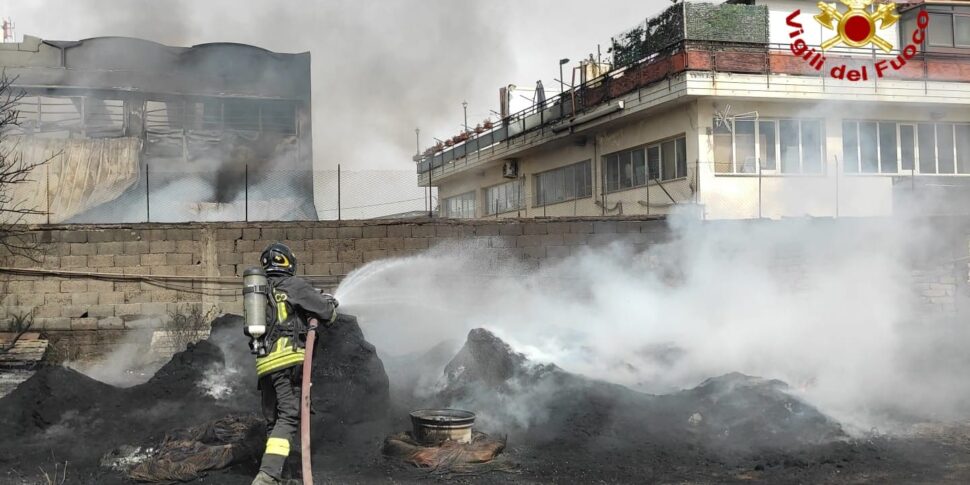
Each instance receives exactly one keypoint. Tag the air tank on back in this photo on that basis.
(255, 300)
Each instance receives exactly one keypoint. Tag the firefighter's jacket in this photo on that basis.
(292, 302)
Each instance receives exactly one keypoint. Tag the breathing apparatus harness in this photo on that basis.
(258, 292)
(286, 322)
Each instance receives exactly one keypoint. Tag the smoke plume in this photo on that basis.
(827, 306)
(380, 69)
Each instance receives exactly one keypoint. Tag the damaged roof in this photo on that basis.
(139, 65)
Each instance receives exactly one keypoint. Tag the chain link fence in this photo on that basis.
(159, 193)
(162, 193)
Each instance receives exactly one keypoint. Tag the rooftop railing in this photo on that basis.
(703, 42)
(641, 44)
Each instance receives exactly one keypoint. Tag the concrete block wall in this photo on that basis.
(133, 277)
(109, 282)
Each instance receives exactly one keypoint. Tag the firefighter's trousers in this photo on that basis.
(281, 408)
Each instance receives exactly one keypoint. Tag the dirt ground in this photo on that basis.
(939, 457)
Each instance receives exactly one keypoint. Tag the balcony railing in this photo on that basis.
(642, 47)
(702, 47)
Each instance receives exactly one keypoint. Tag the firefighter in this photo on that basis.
(292, 302)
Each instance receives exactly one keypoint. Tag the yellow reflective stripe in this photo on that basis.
(283, 355)
(281, 364)
(278, 355)
(273, 359)
(278, 446)
(281, 312)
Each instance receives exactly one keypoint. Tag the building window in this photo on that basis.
(241, 114)
(949, 27)
(459, 207)
(740, 146)
(234, 114)
(278, 117)
(961, 30)
(907, 147)
(506, 197)
(941, 30)
(666, 160)
(211, 114)
(942, 148)
(564, 183)
(891, 147)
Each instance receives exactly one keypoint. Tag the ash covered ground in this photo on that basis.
(561, 427)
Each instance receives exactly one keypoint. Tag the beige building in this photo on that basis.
(708, 106)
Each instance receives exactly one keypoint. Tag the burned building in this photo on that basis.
(138, 131)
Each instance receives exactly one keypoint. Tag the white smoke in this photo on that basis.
(219, 381)
(379, 68)
(127, 364)
(827, 306)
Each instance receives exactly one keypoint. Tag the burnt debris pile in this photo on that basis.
(487, 362)
(61, 415)
(350, 384)
(543, 403)
(187, 454)
(735, 408)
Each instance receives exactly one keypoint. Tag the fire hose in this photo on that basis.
(305, 402)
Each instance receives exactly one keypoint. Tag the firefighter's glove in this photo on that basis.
(332, 299)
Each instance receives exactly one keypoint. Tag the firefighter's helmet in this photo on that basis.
(277, 258)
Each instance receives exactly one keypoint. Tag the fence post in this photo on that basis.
(246, 207)
(647, 167)
(148, 201)
(759, 190)
(575, 195)
(697, 181)
(338, 192)
(48, 177)
(837, 173)
(606, 199)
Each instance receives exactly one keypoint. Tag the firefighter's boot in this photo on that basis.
(263, 478)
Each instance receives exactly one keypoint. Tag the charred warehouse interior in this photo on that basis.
(200, 124)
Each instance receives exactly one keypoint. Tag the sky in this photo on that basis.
(380, 68)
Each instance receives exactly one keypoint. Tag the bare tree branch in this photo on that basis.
(15, 236)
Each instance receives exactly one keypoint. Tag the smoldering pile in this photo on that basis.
(544, 405)
(62, 416)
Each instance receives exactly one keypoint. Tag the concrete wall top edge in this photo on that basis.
(948, 220)
(347, 223)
